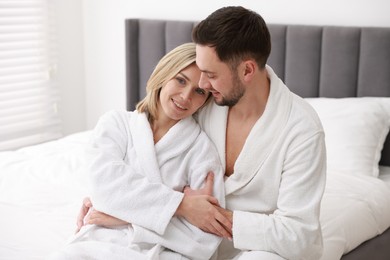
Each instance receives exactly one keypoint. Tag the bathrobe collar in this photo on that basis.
(178, 139)
(263, 135)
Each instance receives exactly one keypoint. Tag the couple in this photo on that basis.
(152, 196)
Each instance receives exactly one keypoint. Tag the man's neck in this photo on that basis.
(252, 104)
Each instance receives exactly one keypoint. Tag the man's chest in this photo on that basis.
(236, 135)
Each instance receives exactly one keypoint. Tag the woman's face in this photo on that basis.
(181, 96)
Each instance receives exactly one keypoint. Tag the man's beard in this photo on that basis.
(237, 92)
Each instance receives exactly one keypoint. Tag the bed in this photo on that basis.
(343, 72)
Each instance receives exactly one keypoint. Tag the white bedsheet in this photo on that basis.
(42, 186)
(41, 190)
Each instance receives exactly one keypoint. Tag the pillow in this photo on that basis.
(355, 131)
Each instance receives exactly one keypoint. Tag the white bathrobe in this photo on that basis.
(278, 180)
(141, 182)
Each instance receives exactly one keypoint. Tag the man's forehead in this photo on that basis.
(205, 50)
(206, 57)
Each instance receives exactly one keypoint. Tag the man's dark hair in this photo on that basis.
(236, 33)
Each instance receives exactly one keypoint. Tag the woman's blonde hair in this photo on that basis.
(167, 68)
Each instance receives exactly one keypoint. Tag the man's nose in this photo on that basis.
(204, 82)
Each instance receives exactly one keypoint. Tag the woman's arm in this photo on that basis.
(181, 236)
(117, 189)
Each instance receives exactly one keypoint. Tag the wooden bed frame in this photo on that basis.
(313, 61)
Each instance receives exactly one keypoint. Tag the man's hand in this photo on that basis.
(202, 210)
(228, 215)
(85, 207)
(206, 190)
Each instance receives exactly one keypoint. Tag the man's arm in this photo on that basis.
(293, 230)
(202, 210)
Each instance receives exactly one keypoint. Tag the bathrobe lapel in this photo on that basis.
(152, 156)
(262, 137)
(142, 136)
(177, 140)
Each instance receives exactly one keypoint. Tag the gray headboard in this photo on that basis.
(313, 61)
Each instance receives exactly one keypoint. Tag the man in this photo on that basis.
(270, 141)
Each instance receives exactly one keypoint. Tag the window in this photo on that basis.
(28, 92)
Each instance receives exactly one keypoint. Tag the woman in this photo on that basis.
(137, 158)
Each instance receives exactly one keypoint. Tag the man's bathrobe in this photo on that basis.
(278, 180)
(141, 182)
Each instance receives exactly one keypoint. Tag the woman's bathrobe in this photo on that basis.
(141, 182)
(278, 180)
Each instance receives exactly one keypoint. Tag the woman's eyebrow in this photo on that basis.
(184, 76)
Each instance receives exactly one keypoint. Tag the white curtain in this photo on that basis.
(28, 91)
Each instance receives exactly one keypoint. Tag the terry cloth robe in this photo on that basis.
(278, 180)
(141, 182)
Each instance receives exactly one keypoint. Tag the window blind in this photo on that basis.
(28, 91)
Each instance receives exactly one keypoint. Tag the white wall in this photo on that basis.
(103, 22)
(70, 38)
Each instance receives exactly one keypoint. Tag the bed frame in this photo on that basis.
(313, 61)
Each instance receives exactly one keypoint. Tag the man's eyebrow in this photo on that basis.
(207, 71)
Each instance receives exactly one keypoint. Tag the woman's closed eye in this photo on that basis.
(200, 91)
(181, 81)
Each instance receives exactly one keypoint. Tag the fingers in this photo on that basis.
(225, 224)
(213, 201)
(87, 204)
(209, 183)
(221, 224)
(221, 231)
(224, 218)
(102, 219)
(218, 228)
(93, 217)
(80, 217)
(187, 190)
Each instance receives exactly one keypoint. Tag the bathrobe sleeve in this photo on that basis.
(116, 188)
(293, 229)
(181, 236)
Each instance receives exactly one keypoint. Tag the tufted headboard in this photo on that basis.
(313, 61)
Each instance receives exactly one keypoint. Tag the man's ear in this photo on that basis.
(249, 68)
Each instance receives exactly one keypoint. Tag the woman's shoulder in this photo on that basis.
(119, 114)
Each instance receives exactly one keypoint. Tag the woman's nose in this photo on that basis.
(186, 93)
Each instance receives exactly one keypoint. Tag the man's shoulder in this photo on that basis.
(303, 112)
(208, 113)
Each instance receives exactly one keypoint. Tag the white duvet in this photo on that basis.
(41, 190)
(42, 187)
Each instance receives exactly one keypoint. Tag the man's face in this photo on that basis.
(217, 77)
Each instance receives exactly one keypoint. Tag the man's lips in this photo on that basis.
(214, 93)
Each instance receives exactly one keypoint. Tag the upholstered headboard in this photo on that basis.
(313, 61)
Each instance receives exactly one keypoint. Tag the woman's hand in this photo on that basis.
(85, 207)
(88, 215)
(102, 219)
